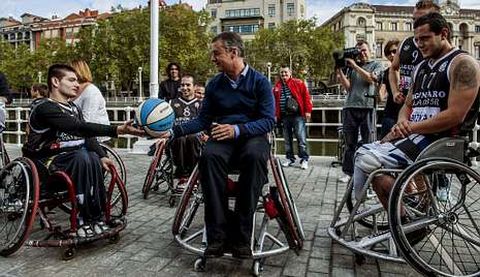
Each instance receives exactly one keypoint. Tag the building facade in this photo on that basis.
(378, 24)
(246, 17)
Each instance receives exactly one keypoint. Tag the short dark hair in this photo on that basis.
(390, 43)
(435, 21)
(231, 39)
(169, 66)
(362, 42)
(41, 88)
(58, 71)
(186, 75)
(427, 4)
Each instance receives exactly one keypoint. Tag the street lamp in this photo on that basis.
(140, 85)
(39, 77)
(269, 72)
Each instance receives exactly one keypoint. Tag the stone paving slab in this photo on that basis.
(146, 247)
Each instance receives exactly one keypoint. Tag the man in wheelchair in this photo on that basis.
(60, 139)
(186, 150)
(238, 109)
(442, 102)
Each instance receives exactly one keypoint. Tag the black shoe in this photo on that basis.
(242, 251)
(214, 250)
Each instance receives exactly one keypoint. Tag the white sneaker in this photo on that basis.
(304, 164)
(288, 163)
(344, 179)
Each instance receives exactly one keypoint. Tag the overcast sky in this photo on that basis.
(322, 9)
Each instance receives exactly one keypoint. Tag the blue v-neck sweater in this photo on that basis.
(250, 106)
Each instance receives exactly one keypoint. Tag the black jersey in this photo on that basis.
(410, 56)
(185, 110)
(430, 93)
(59, 127)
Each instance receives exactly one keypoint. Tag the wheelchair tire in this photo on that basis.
(159, 172)
(295, 235)
(188, 206)
(118, 207)
(19, 197)
(367, 222)
(436, 237)
(119, 165)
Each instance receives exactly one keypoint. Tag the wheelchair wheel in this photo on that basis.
(116, 210)
(119, 165)
(295, 235)
(160, 171)
(381, 219)
(437, 237)
(188, 206)
(19, 193)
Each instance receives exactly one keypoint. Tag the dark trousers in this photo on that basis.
(387, 124)
(250, 157)
(185, 153)
(85, 169)
(354, 120)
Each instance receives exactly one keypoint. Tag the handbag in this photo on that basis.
(291, 106)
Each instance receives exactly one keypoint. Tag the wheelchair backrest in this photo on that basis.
(453, 148)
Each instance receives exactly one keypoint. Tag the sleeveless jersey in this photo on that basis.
(410, 56)
(185, 110)
(430, 93)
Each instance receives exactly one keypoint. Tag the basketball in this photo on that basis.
(154, 116)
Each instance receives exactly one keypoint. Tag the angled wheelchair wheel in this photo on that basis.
(19, 193)
(119, 165)
(116, 209)
(378, 220)
(293, 227)
(437, 236)
(160, 171)
(188, 206)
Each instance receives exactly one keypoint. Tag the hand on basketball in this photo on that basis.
(128, 128)
(223, 132)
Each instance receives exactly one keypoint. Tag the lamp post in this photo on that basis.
(40, 77)
(140, 85)
(269, 72)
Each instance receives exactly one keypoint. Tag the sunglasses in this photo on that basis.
(394, 51)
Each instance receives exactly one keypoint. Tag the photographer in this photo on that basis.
(359, 82)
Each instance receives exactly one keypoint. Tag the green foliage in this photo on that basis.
(299, 44)
(116, 47)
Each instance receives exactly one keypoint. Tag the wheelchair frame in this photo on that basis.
(284, 211)
(21, 201)
(414, 193)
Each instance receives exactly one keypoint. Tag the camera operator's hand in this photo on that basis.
(351, 63)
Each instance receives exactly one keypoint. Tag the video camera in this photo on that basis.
(341, 55)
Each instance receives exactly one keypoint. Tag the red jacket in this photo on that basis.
(299, 92)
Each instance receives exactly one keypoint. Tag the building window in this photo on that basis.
(243, 29)
(477, 52)
(12, 36)
(213, 13)
(378, 49)
(290, 9)
(20, 36)
(379, 26)
(213, 29)
(361, 22)
(27, 35)
(394, 26)
(477, 29)
(242, 12)
(271, 10)
(408, 26)
(302, 10)
(271, 25)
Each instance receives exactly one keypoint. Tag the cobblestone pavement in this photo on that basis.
(146, 247)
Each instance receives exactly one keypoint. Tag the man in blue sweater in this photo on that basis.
(238, 109)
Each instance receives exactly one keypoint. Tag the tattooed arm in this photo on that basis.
(464, 77)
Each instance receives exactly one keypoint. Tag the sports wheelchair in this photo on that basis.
(434, 236)
(24, 196)
(276, 204)
(160, 176)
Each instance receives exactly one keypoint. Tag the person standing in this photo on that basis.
(390, 112)
(239, 111)
(293, 106)
(360, 84)
(169, 88)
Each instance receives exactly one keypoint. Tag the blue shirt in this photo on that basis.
(248, 103)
